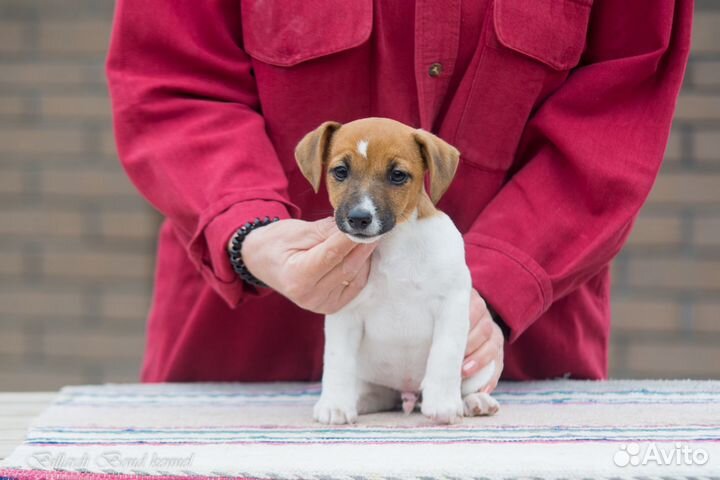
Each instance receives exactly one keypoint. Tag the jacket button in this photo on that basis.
(435, 70)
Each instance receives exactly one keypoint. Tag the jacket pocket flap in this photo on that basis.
(550, 31)
(285, 33)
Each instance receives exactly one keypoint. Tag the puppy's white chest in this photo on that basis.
(413, 270)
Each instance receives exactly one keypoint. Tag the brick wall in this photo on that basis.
(77, 242)
(666, 296)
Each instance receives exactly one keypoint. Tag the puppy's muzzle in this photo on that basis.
(362, 221)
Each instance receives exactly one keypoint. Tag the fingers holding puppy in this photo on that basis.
(485, 342)
(346, 279)
(312, 263)
(479, 333)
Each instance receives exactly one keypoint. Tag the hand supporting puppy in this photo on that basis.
(311, 263)
(485, 342)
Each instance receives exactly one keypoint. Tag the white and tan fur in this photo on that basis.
(405, 333)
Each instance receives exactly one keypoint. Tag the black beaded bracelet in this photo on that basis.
(236, 246)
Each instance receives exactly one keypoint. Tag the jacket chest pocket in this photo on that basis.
(307, 53)
(527, 42)
(285, 33)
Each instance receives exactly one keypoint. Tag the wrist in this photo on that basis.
(223, 226)
(235, 249)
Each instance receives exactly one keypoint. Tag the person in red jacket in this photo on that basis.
(561, 110)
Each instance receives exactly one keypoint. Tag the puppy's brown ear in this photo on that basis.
(441, 160)
(312, 151)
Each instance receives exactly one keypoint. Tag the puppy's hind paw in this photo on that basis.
(331, 412)
(409, 399)
(480, 403)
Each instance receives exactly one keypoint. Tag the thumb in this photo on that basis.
(329, 253)
(303, 235)
(324, 228)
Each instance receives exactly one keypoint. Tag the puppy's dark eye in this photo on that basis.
(398, 177)
(340, 173)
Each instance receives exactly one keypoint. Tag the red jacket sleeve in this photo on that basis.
(188, 127)
(590, 155)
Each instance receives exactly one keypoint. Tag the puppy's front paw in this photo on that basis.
(442, 406)
(335, 411)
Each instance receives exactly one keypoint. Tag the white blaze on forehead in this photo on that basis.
(362, 147)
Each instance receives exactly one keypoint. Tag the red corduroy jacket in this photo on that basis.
(561, 110)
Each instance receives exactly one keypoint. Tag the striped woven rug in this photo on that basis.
(552, 429)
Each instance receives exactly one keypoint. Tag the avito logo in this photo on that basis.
(632, 454)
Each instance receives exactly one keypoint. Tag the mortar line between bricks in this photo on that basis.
(687, 218)
(91, 305)
(686, 146)
(688, 83)
(706, 6)
(687, 317)
(673, 293)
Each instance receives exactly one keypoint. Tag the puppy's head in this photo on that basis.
(375, 170)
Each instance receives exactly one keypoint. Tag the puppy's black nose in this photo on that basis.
(359, 218)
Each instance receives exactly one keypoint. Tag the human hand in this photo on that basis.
(485, 342)
(312, 263)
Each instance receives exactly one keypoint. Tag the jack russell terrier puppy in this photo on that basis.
(405, 333)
